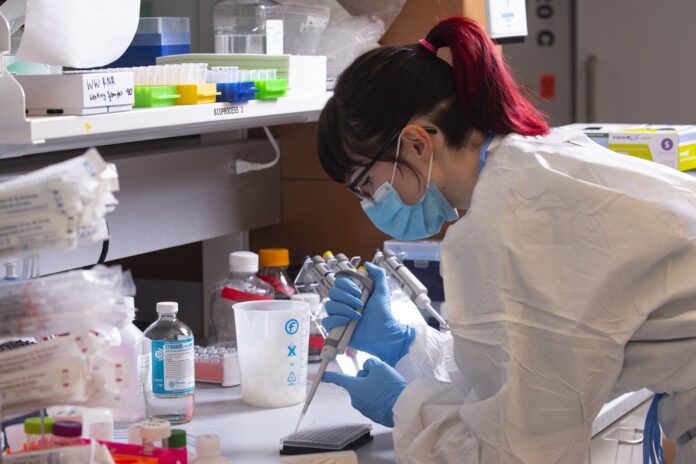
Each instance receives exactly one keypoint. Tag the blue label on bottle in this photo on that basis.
(172, 366)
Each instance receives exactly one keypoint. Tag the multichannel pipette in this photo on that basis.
(413, 287)
(337, 341)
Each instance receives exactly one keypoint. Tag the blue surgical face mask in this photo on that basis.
(413, 222)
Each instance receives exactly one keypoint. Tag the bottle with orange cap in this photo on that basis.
(273, 269)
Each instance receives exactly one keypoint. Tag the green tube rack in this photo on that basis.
(271, 89)
(152, 96)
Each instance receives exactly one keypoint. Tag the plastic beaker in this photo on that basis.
(272, 341)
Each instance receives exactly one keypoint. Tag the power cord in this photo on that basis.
(242, 166)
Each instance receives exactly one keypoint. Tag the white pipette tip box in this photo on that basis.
(78, 93)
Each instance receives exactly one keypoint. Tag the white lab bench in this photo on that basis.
(252, 435)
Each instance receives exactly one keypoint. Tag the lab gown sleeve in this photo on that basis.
(430, 356)
(566, 251)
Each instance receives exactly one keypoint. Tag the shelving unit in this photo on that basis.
(21, 135)
(51, 133)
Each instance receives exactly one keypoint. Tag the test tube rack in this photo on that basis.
(217, 365)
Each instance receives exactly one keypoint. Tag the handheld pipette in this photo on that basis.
(414, 288)
(315, 275)
(323, 272)
(341, 262)
(337, 341)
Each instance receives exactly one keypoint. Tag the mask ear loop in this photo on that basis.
(396, 160)
(430, 170)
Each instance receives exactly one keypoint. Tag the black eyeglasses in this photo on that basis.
(354, 186)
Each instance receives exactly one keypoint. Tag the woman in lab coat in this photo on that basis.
(569, 281)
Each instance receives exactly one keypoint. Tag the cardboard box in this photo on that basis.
(78, 93)
(673, 146)
(599, 133)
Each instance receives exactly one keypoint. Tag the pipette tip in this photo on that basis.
(299, 421)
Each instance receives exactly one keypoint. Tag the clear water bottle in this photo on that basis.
(240, 26)
(241, 285)
(170, 385)
(273, 263)
(130, 353)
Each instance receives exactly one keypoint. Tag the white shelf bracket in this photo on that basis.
(12, 108)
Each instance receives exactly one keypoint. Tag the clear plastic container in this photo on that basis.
(171, 379)
(273, 270)
(164, 25)
(130, 352)
(241, 285)
(303, 26)
(419, 250)
(273, 340)
(34, 439)
(240, 25)
(163, 31)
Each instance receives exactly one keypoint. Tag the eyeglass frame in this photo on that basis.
(354, 185)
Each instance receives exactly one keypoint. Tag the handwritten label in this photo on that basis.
(228, 110)
(106, 88)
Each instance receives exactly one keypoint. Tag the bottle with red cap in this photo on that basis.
(242, 284)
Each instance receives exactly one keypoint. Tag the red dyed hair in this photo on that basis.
(488, 95)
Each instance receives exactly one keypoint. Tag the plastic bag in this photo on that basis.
(355, 26)
(71, 369)
(58, 207)
(67, 302)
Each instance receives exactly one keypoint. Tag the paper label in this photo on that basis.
(143, 369)
(108, 89)
(659, 147)
(60, 379)
(172, 366)
(47, 352)
(274, 37)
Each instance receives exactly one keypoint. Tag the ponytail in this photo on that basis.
(386, 88)
(488, 95)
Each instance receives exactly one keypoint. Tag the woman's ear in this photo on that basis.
(418, 143)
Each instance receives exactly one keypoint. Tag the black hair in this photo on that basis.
(385, 88)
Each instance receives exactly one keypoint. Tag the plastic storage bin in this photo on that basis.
(240, 25)
(156, 36)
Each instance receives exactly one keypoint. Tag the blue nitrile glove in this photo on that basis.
(373, 391)
(377, 332)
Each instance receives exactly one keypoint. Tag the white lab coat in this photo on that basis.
(571, 280)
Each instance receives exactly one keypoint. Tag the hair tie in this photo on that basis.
(428, 46)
